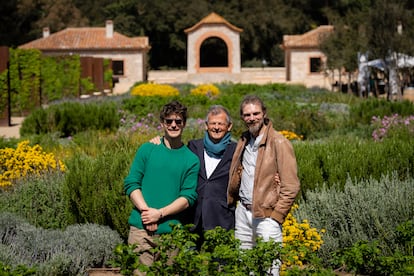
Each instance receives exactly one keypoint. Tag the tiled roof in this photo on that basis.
(213, 18)
(87, 39)
(310, 39)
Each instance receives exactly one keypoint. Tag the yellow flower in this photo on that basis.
(209, 90)
(299, 239)
(153, 89)
(25, 160)
(291, 135)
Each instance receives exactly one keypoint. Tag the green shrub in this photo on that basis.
(367, 258)
(20, 270)
(55, 252)
(8, 142)
(70, 118)
(39, 199)
(362, 112)
(141, 106)
(333, 161)
(361, 211)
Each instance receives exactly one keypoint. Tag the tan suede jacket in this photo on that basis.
(276, 155)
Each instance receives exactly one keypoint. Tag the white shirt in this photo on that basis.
(249, 166)
(210, 163)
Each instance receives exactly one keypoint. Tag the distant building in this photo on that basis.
(304, 61)
(128, 55)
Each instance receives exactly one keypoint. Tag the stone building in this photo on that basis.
(128, 54)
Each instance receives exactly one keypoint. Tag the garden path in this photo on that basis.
(13, 130)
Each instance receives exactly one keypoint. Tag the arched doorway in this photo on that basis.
(213, 53)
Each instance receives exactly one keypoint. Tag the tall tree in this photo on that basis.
(342, 46)
(16, 26)
(59, 14)
(390, 29)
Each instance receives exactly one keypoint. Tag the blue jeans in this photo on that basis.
(248, 229)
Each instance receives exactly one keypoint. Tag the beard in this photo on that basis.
(255, 127)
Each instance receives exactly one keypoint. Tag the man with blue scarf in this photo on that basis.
(215, 152)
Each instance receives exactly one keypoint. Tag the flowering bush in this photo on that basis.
(25, 160)
(299, 241)
(130, 123)
(153, 89)
(208, 90)
(392, 126)
(291, 135)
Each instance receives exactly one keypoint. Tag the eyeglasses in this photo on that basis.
(178, 122)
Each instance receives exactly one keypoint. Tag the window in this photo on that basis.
(315, 65)
(118, 67)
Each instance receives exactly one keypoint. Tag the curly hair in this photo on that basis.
(174, 107)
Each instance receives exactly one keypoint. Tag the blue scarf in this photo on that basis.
(216, 150)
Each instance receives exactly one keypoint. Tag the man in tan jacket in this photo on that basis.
(261, 153)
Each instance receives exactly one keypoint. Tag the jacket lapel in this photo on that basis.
(200, 154)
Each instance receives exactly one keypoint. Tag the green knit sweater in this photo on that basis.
(163, 175)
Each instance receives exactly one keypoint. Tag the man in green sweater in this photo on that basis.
(161, 183)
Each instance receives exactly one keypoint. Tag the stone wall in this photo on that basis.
(247, 75)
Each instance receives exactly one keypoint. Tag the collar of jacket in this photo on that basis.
(267, 127)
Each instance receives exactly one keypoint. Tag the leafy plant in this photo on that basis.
(20, 270)
(125, 258)
(220, 252)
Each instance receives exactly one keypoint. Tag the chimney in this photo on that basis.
(46, 32)
(109, 29)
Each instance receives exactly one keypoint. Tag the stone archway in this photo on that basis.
(198, 46)
(217, 28)
(214, 53)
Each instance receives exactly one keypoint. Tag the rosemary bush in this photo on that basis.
(332, 162)
(69, 118)
(361, 211)
(94, 185)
